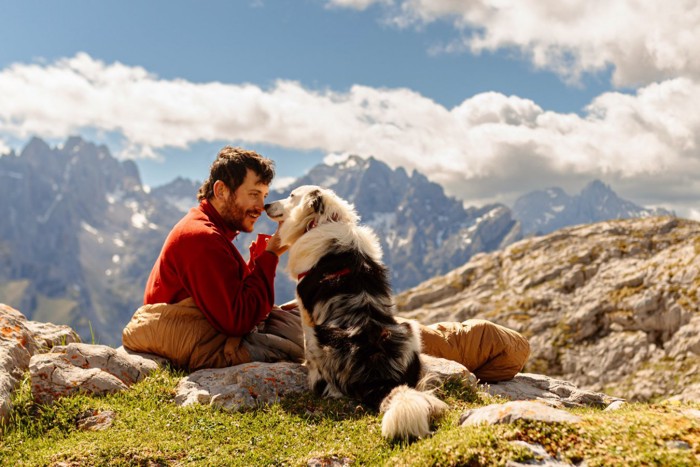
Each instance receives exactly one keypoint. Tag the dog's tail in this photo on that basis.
(408, 413)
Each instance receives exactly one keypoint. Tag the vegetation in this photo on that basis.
(149, 429)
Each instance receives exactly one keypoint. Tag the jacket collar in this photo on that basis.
(217, 220)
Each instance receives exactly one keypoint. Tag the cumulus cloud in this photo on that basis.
(641, 40)
(491, 147)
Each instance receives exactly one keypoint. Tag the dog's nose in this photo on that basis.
(266, 206)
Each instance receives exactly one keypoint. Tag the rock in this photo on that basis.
(516, 410)
(542, 457)
(253, 384)
(157, 359)
(443, 369)
(616, 405)
(242, 386)
(17, 345)
(529, 386)
(95, 369)
(333, 461)
(49, 335)
(677, 444)
(611, 306)
(686, 340)
(690, 393)
(99, 421)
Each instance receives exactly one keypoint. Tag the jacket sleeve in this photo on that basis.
(215, 275)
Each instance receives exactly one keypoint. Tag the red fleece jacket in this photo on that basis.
(199, 260)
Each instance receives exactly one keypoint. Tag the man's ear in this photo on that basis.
(220, 189)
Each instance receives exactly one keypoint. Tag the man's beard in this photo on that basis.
(234, 215)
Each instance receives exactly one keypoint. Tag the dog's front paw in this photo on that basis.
(316, 382)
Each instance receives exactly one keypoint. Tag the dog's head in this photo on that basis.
(308, 207)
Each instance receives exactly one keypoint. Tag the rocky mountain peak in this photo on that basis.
(544, 211)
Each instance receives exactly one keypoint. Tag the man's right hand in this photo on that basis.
(274, 245)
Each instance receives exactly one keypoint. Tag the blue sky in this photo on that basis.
(488, 101)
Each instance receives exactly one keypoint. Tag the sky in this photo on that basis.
(489, 98)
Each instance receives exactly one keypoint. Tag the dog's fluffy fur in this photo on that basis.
(353, 345)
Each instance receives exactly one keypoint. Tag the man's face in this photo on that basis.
(243, 207)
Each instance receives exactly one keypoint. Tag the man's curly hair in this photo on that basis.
(231, 166)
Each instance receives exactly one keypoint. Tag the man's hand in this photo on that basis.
(274, 245)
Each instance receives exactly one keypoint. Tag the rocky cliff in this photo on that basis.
(611, 306)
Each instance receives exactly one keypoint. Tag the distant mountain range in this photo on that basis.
(544, 211)
(80, 233)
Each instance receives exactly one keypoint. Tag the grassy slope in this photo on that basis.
(151, 430)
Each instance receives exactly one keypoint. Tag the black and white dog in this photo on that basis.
(353, 345)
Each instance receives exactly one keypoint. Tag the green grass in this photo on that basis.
(150, 430)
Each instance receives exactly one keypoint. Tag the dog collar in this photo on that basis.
(329, 276)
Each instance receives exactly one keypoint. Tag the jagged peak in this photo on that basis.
(75, 141)
(36, 144)
(597, 187)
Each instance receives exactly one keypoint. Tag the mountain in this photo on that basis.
(610, 306)
(422, 231)
(79, 236)
(80, 233)
(544, 211)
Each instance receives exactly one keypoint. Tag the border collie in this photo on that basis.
(353, 345)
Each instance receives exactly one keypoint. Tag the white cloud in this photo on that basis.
(490, 147)
(642, 40)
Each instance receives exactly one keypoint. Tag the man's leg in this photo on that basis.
(278, 338)
(490, 351)
(182, 334)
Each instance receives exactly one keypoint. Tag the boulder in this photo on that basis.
(516, 410)
(17, 345)
(555, 392)
(94, 369)
(253, 384)
(611, 306)
(242, 386)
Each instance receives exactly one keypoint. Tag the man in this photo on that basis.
(204, 307)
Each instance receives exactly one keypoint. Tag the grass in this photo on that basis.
(150, 430)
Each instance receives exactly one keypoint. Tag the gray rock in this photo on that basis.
(611, 306)
(252, 384)
(529, 386)
(616, 405)
(242, 386)
(677, 444)
(96, 421)
(17, 345)
(542, 457)
(516, 410)
(690, 393)
(442, 369)
(49, 335)
(94, 369)
(333, 461)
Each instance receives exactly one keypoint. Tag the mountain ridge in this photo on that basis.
(82, 233)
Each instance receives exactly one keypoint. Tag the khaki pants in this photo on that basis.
(490, 351)
(182, 334)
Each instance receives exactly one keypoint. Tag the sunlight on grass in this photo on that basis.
(150, 429)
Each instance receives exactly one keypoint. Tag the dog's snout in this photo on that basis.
(266, 206)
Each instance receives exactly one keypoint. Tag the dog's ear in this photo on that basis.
(317, 202)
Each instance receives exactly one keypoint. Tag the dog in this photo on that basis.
(353, 346)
